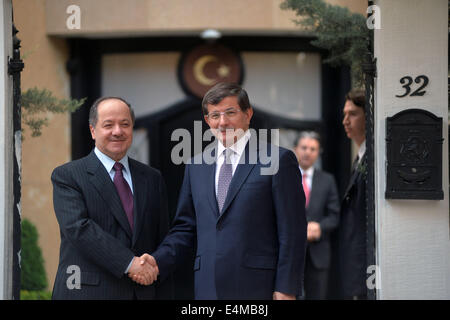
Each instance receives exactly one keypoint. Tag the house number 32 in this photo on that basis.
(407, 81)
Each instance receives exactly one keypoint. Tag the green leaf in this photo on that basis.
(339, 31)
(37, 102)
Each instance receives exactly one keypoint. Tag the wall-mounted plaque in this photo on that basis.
(205, 65)
(414, 155)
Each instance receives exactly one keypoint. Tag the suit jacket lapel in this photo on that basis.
(210, 178)
(354, 176)
(242, 171)
(314, 187)
(140, 194)
(105, 187)
(351, 182)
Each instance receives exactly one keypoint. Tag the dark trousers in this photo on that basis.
(315, 280)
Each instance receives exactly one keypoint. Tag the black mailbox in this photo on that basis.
(414, 155)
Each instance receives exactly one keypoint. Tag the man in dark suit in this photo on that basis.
(248, 222)
(352, 228)
(322, 214)
(111, 210)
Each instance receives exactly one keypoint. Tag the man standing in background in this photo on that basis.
(322, 214)
(352, 228)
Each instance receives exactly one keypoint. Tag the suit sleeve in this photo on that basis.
(164, 289)
(331, 219)
(180, 239)
(84, 234)
(289, 203)
(164, 222)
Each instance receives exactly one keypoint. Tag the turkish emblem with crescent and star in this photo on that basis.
(206, 65)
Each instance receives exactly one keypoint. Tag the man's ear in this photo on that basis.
(207, 120)
(91, 128)
(249, 113)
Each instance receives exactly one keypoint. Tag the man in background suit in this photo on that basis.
(352, 228)
(111, 210)
(249, 227)
(322, 214)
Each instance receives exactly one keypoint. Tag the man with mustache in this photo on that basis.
(111, 210)
(249, 228)
(352, 228)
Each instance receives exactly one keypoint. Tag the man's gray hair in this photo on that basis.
(307, 134)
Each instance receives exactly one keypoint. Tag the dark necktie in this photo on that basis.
(124, 192)
(225, 175)
(355, 164)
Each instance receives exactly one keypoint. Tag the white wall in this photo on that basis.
(413, 247)
(284, 83)
(147, 80)
(6, 153)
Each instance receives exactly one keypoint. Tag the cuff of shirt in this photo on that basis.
(129, 266)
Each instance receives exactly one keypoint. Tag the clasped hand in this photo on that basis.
(313, 231)
(144, 270)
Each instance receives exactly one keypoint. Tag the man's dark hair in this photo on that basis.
(358, 97)
(222, 90)
(93, 113)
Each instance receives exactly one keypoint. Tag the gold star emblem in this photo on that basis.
(223, 71)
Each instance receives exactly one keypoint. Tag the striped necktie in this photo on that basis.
(225, 176)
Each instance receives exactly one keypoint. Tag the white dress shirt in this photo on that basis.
(237, 148)
(361, 151)
(309, 176)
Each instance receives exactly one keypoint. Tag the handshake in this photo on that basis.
(144, 270)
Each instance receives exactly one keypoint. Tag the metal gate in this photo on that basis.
(15, 66)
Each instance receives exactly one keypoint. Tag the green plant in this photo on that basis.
(35, 295)
(343, 33)
(33, 276)
(36, 102)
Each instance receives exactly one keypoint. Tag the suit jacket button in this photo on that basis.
(219, 227)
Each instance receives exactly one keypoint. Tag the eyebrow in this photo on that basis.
(108, 121)
(227, 109)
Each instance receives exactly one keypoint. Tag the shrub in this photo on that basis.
(35, 295)
(33, 276)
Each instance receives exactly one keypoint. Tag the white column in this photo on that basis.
(412, 236)
(6, 152)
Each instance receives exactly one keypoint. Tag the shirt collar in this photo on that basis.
(108, 163)
(238, 147)
(362, 150)
(309, 171)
